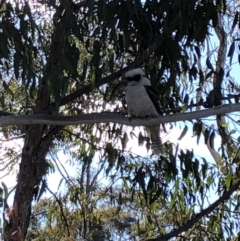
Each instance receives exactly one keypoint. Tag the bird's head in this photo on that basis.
(133, 77)
(136, 77)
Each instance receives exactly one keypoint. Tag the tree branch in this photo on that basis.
(200, 215)
(136, 63)
(107, 117)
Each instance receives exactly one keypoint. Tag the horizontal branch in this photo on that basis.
(108, 117)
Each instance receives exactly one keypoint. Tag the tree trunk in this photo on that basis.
(36, 146)
(32, 169)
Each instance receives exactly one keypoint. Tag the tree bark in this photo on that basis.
(33, 163)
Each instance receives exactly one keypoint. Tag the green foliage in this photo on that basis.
(65, 61)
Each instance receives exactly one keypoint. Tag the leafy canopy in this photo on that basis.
(64, 58)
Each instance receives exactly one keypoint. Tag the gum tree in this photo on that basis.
(59, 63)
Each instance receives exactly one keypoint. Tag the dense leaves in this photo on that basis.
(64, 58)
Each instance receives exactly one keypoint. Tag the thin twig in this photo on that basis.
(61, 209)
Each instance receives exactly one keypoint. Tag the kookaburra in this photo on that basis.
(143, 102)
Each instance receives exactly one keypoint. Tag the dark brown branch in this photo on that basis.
(136, 63)
(204, 104)
(4, 113)
(236, 98)
(189, 224)
(168, 111)
(61, 210)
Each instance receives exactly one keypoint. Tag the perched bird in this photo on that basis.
(143, 102)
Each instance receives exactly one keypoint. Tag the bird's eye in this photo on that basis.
(134, 78)
(137, 77)
(129, 79)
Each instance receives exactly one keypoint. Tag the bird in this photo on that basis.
(143, 102)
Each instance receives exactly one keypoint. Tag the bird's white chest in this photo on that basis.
(138, 102)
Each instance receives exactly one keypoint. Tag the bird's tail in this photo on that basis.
(156, 142)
